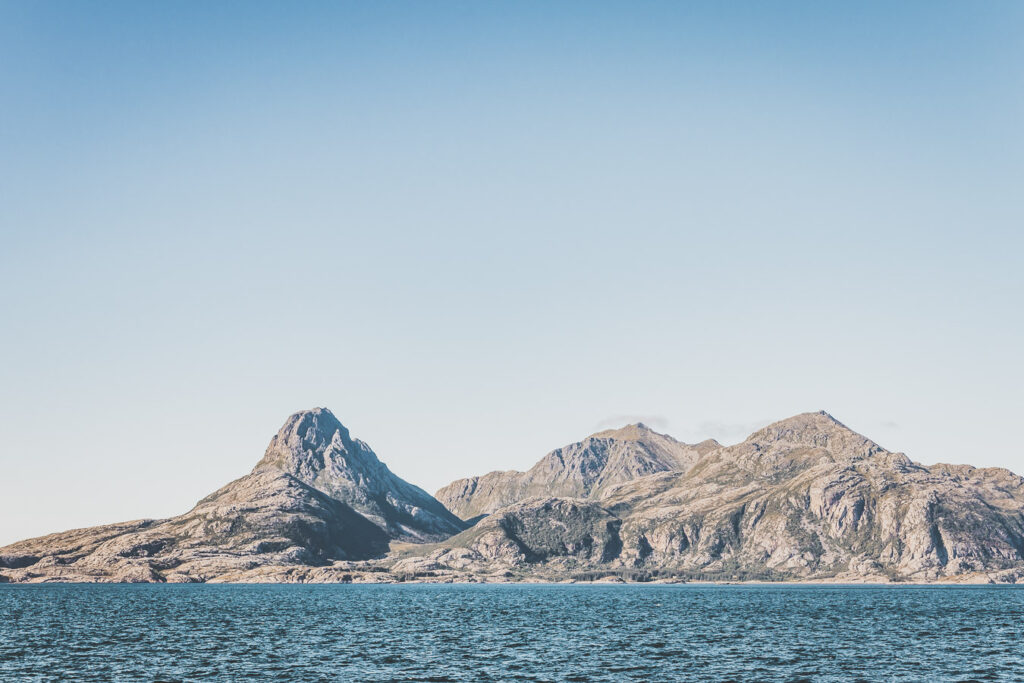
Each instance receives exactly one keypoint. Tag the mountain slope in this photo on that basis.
(265, 518)
(317, 496)
(579, 470)
(808, 497)
(805, 498)
(315, 448)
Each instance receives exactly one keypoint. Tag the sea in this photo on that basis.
(581, 632)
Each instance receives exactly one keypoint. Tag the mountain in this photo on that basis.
(315, 448)
(263, 518)
(317, 496)
(584, 469)
(805, 498)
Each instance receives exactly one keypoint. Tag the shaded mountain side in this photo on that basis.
(317, 496)
(540, 529)
(314, 447)
(546, 534)
(580, 470)
(265, 518)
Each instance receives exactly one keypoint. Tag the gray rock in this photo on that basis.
(538, 530)
(805, 498)
(314, 447)
(265, 518)
(580, 470)
(317, 496)
(809, 498)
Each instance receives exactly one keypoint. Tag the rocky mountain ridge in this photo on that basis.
(583, 469)
(804, 499)
(315, 448)
(317, 496)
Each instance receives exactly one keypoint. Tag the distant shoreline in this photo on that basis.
(696, 584)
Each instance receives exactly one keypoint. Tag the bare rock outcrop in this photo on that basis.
(805, 498)
(809, 498)
(545, 528)
(580, 470)
(314, 447)
(265, 518)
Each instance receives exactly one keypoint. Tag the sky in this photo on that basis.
(480, 231)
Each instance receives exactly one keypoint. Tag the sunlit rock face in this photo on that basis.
(315, 448)
(584, 469)
(804, 498)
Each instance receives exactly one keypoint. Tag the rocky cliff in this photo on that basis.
(315, 448)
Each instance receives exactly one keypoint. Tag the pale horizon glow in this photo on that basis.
(479, 232)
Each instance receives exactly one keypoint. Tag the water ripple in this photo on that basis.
(477, 633)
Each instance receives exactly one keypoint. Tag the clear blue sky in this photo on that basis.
(479, 231)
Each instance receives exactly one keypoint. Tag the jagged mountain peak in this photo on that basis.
(818, 419)
(306, 435)
(637, 431)
(584, 469)
(707, 445)
(317, 449)
(815, 430)
(615, 454)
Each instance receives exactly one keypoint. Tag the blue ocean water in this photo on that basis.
(510, 633)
